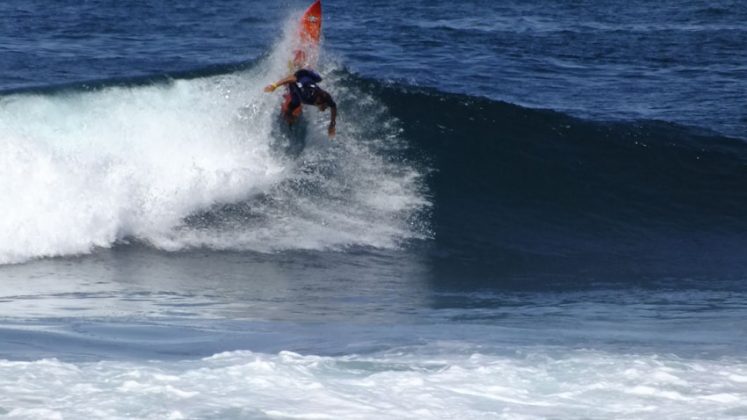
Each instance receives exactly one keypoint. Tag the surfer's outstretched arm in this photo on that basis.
(272, 86)
(323, 101)
(332, 119)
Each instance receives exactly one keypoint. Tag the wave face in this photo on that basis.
(511, 183)
(197, 163)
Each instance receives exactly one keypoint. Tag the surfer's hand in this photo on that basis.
(271, 87)
(331, 131)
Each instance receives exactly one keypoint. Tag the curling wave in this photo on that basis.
(199, 162)
(204, 162)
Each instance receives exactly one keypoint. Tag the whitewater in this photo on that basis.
(90, 168)
(581, 384)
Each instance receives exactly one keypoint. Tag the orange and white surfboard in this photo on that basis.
(306, 49)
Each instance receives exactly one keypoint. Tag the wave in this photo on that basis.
(202, 161)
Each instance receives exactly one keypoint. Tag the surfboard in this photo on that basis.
(305, 53)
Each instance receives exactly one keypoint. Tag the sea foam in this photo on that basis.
(531, 384)
(91, 168)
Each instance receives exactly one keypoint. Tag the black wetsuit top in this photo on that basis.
(305, 89)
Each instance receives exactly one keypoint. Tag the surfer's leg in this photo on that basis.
(294, 103)
(291, 110)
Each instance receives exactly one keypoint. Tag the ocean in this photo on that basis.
(531, 209)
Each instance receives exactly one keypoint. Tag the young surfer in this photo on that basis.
(303, 89)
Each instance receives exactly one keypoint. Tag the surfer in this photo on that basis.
(303, 89)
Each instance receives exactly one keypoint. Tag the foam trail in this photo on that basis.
(87, 169)
(535, 384)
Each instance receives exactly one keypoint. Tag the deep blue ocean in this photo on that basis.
(531, 209)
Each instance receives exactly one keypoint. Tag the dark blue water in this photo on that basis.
(673, 61)
(531, 210)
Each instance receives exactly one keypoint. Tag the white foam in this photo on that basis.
(573, 384)
(87, 169)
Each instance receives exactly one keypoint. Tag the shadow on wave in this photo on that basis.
(517, 187)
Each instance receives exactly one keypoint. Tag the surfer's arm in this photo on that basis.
(332, 119)
(272, 86)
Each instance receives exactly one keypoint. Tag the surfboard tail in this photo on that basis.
(306, 52)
